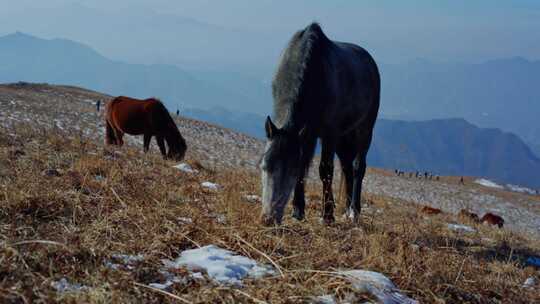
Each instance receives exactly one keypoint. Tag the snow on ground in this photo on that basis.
(252, 198)
(530, 282)
(325, 299)
(377, 285)
(185, 168)
(124, 260)
(221, 265)
(461, 228)
(487, 183)
(520, 189)
(210, 185)
(64, 286)
(185, 220)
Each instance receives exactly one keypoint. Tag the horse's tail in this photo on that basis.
(110, 135)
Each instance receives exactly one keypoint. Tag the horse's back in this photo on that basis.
(354, 81)
(131, 115)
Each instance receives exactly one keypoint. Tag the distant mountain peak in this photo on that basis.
(18, 35)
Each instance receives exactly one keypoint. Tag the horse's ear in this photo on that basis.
(271, 129)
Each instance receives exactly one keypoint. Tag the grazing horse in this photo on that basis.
(322, 89)
(466, 214)
(148, 117)
(492, 219)
(430, 210)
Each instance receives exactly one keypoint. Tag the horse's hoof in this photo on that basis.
(297, 214)
(267, 221)
(329, 220)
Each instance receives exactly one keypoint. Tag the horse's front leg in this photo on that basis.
(326, 173)
(299, 201)
(146, 142)
(161, 145)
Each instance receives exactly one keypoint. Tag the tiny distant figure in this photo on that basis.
(461, 181)
(426, 175)
(177, 112)
(437, 178)
(396, 172)
(98, 105)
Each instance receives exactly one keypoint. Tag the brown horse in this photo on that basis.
(148, 117)
(430, 210)
(468, 215)
(492, 219)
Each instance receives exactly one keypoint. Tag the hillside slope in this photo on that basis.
(72, 109)
(81, 222)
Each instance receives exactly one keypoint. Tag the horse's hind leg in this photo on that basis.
(110, 138)
(119, 137)
(346, 156)
(359, 171)
(326, 173)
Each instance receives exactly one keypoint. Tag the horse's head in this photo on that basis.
(177, 144)
(280, 167)
(177, 148)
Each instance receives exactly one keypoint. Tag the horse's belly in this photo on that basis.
(131, 124)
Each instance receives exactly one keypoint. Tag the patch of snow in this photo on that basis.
(521, 189)
(252, 198)
(185, 168)
(221, 265)
(125, 260)
(487, 183)
(530, 282)
(533, 261)
(210, 185)
(171, 279)
(185, 220)
(64, 286)
(220, 218)
(325, 299)
(378, 285)
(128, 259)
(461, 228)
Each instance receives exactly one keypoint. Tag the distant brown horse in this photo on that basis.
(148, 117)
(468, 215)
(492, 219)
(430, 210)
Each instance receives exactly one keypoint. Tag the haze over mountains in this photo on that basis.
(495, 93)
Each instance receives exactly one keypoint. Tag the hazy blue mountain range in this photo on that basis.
(27, 58)
(501, 94)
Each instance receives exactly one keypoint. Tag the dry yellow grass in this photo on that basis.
(94, 202)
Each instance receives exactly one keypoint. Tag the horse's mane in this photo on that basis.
(295, 63)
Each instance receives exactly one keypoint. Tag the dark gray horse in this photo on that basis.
(322, 89)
